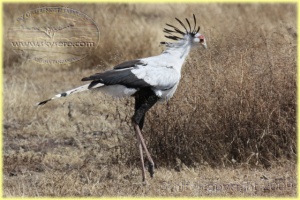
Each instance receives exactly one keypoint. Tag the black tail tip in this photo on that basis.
(86, 79)
(43, 102)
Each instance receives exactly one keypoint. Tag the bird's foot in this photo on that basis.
(145, 182)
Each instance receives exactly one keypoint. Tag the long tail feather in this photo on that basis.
(73, 91)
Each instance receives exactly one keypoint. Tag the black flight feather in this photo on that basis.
(128, 64)
(113, 77)
(121, 74)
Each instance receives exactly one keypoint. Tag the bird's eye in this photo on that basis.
(201, 40)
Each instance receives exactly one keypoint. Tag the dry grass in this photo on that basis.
(232, 122)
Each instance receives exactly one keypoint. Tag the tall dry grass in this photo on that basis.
(238, 104)
(235, 105)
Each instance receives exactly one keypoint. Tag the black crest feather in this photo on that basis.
(177, 30)
(188, 24)
(173, 37)
(182, 24)
(195, 23)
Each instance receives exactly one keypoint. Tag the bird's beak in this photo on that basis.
(202, 41)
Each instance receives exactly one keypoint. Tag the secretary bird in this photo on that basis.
(148, 80)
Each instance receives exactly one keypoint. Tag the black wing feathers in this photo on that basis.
(116, 76)
(128, 64)
(124, 77)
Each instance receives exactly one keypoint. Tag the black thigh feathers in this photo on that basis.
(144, 100)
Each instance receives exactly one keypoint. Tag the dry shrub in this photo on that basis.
(236, 102)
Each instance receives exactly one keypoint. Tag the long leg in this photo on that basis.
(142, 143)
(142, 158)
(144, 100)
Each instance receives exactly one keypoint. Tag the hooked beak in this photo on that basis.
(202, 41)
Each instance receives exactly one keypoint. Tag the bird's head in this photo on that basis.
(193, 36)
(199, 39)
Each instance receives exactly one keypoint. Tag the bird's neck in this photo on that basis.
(179, 50)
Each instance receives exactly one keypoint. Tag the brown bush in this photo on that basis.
(235, 105)
(236, 102)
